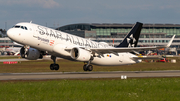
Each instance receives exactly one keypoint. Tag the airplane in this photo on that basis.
(39, 40)
(13, 50)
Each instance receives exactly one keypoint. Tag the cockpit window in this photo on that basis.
(25, 28)
(22, 27)
(16, 26)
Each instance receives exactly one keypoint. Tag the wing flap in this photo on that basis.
(119, 50)
(147, 57)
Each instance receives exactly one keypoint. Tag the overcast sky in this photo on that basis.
(57, 13)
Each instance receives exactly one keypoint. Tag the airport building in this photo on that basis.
(6, 42)
(113, 34)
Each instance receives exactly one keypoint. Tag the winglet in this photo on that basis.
(170, 42)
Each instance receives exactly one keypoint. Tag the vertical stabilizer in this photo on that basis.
(132, 37)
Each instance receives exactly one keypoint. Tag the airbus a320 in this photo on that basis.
(39, 40)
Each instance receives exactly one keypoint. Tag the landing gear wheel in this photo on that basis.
(54, 67)
(87, 68)
(84, 68)
(90, 67)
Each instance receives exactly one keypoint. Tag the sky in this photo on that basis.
(55, 13)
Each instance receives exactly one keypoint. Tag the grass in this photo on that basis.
(9, 57)
(149, 89)
(71, 66)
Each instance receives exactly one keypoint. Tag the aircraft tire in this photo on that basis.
(85, 68)
(56, 66)
(90, 68)
(52, 66)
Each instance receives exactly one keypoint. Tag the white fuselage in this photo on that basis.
(47, 39)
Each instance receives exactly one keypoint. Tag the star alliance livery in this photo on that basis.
(39, 40)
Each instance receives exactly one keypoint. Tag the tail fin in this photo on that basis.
(132, 37)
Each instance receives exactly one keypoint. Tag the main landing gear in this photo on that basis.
(54, 66)
(87, 67)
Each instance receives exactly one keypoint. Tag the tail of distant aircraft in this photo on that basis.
(132, 38)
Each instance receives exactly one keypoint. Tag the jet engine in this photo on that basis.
(80, 54)
(30, 53)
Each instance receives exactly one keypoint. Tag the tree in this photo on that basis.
(3, 32)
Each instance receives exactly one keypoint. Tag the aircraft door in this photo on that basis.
(36, 35)
(121, 58)
(35, 32)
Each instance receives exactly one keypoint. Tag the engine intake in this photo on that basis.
(80, 54)
(30, 54)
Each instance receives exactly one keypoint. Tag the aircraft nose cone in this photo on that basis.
(10, 33)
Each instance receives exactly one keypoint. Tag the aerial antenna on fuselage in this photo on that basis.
(30, 21)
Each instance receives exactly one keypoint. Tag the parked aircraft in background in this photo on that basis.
(13, 50)
(39, 40)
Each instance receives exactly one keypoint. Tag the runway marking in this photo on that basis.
(88, 75)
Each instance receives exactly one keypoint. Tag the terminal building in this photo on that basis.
(6, 42)
(113, 34)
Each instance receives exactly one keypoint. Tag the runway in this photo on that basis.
(87, 75)
(2, 60)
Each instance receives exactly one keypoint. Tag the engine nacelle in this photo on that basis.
(80, 54)
(30, 53)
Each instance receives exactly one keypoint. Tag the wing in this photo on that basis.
(119, 50)
(115, 51)
(128, 49)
